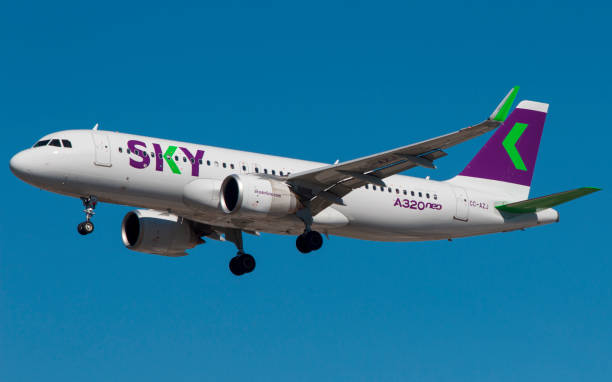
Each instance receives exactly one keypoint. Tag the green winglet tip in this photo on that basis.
(504, 109)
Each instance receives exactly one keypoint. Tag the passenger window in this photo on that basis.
(66, 143)
(232, 166)
(41, 143)
(411, 193)
(200, 161)
(55, 142)
(435, 197)
(366, 187)
(390, 189)
(192, 160)
(265, 170)
(152, 154)
(128, 151)
(420, 194)
(159, 155)
(397, 190)
(184, 159)
(176, 158)
(405, 192)
(243, 168)
(224, 165)
(281, 173)
(373, 187)
(208, 163)
(382, 189)
(120, 150)
(273, 172)
(257, 170)
(427, 195)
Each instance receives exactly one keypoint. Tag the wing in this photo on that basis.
(321, 187)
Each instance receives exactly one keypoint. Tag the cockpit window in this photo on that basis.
(41, 143)
(55, 142)
(66, 143)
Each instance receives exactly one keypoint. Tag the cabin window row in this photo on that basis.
(208, 162)
(402, 191)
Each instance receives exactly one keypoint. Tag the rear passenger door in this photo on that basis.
(102, 148)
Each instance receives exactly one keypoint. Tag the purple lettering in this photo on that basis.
(144, 159)
(159, 161)
(195, 161)
(398, 202)
(421, 205)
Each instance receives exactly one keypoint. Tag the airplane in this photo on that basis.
(186, 192)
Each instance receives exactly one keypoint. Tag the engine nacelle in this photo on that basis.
(252, 195)
(158, 233)
(202, 194)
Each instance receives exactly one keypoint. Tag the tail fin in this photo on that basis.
(507, 161)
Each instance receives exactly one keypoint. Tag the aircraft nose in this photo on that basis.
(19, 165)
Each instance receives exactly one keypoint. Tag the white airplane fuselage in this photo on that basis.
(407, 209)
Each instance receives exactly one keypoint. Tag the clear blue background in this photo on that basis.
(321, 81)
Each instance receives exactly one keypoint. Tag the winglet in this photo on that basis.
(543, 202)
(503, 109)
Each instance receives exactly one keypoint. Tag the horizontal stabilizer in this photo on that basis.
(544, 202)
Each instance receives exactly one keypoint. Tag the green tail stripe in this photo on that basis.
(168, 157)
(509, 144)
(544, 202)
(503, 112)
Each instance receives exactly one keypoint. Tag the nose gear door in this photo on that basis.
(102, 148)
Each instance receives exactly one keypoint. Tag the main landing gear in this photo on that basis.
(87, 227)
(309, 241)
(243, 262)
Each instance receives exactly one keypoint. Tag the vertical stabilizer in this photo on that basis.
(506, 163)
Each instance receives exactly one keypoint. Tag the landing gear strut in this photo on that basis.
(310, 240)
(243, 262)
(87, 227)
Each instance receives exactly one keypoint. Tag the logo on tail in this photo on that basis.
(509, 144)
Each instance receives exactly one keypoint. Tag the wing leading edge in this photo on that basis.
(324, 186)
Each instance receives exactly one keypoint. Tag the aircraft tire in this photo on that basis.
(301, 244)
(314, 240)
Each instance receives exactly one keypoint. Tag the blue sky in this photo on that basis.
(323, 81)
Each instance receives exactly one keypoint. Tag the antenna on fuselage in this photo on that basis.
(95, 127)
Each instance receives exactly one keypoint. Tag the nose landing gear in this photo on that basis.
(87, 227)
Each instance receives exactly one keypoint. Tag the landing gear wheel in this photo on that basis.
(85, 228)
(314, 240)
(301, 244)
(234, 266)
(309, 241)
(241, 264)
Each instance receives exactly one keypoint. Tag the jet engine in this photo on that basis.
(158, 233)
(254, 196)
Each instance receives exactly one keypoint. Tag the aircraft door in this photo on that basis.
(102, 148)
(462, 204)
